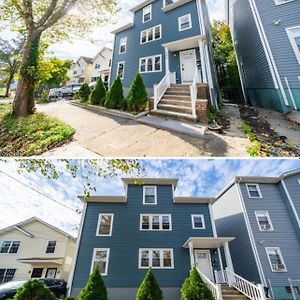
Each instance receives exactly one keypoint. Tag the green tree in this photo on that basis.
(149, 288)
(226, 63)
(98, 94)
(10, 60)
(137, 96)
(34, 290)
(52, 20)
(84, 92)
(95, 288)
(194, 288)
(114, 97)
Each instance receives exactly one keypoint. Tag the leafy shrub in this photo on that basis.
(43, 97)
(98, 94)
(77, 95)
(137, 96)
(149, 288)
(114, 97)
(95, 288)
(34, 290)
(84, 92)
(194, 288)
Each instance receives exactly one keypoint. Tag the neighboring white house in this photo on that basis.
(35, 249)
(101, 65)
(81, 70)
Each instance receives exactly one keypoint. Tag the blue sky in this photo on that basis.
(101, 36)
(202, 177)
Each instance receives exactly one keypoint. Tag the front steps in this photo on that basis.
(230, 293)
(176, 104)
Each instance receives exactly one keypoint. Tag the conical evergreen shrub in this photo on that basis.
(34, 290)
(114, 97)
(149, 288)
(194, 288)
(95, 288)
(84, 92)
(98, 94)
(137, 97)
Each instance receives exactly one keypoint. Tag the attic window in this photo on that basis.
(149, 197)
(147, 13)
(51, 247)
(254, 191)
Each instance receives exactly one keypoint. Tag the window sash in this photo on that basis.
(147, 13)
(51, 247)
(123, 45)
(198, 222)
(151, 64)
(276, 260)
(105, 223)
(155, 222)
(7, 275)
(151, 34)
(101, 257)
(149, 194)
(185, 22)
(253, 190)
(156, 258)
(11, 247)
(120, 70)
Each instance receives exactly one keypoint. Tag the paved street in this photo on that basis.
(115, 137)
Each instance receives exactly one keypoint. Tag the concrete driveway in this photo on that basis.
(118, 137)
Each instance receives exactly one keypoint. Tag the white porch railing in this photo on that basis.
(250, 290)
(220, 276)
(194, 90)
(161, 88)
(214, 288)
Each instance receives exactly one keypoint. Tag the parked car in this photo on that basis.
(69, 90)
(57, 286)
(54, 94)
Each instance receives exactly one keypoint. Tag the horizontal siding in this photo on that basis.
(283, 236)
(126, 239)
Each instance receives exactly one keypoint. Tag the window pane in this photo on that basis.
(147, 13)
(145, 259)
(155, 258)
(101, 260)
(198, 222)
(150, 191)
(167, 258)
(121, 70)
(155, 222)
(9, 276)
(143, 65)
(165, 222)
(15, 247)
(5, 246)
(157, 63)
(157, 32)
(185, 22)
(144, 36)
(105, 224)
(145, 222)
(150, 35)
(37, 273)
(51, 247)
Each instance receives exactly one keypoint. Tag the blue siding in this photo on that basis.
(126, 239)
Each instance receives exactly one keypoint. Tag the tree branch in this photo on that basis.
(48, 13)
(19, 8)
(27, 4)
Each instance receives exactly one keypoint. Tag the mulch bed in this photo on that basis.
(271, 143)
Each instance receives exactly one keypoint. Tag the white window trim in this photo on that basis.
(299, 181)
(94, 256)
(119, 63)
(150, 5)
(281, 258)
(123, 39)
(291, 36)
(153, 57)
(153, 34)
(280, 2)
(258, 190)
(155, 194)
(190, 21)
(161, 255)
(11, 243)
(160, 222)
(193, 222)
(266, 213)
(99, 221)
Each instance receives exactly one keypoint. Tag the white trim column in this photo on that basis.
(167, 60)
(192, 257)
(228, 257)
(202, 58)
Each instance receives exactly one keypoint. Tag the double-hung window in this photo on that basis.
(150, 222)
(198, 222)
(150, 34)
(294, 37)
(101, 258)
(151, 64)
(147, 13)
(156, 258)
(51, 247)
(7, 275)
(121, 69)
(149, 195)
(275, 259)
(10, 247)
(264, 221)
(105, 223)
(253, 191)
(123, 45)
(185, 22)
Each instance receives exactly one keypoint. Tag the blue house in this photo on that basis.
(148, 227)
(266, 36)
(263, 214)
(169, 43)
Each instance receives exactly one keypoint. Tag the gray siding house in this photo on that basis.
(147, 227)
(169, 43)
(263, 215)
(266, 36)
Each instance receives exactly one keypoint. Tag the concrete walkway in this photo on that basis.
(118, 137)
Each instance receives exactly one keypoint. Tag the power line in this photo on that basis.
(40, 193)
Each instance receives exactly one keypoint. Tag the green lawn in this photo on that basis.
(31, 135)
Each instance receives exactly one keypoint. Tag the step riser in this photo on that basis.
(174, 117)
(175, 102)
(176, 97)
(179, 109)
(171, 93)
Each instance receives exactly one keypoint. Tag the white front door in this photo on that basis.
(203, 262)
(188, 65)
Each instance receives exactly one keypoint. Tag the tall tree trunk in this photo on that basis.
(23, 104)
(8, 84)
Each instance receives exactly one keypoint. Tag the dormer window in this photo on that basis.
(149, 195)
(123, 45)
(253, 191)
(147, 13)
